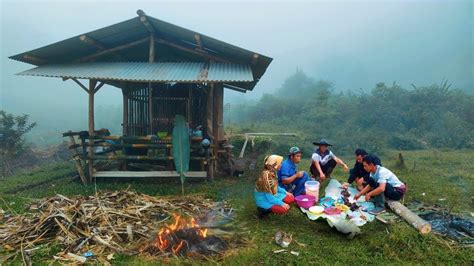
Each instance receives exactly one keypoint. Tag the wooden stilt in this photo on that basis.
(92, 84)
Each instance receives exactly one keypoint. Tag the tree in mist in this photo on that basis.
(387, 117)
(12, 141)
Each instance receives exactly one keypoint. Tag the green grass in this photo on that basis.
(438, 174)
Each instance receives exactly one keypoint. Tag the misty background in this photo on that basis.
(351, 44)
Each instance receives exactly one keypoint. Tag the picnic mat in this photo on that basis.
(344, 220)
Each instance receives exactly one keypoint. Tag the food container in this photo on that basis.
(312, 188)
(316, 209)
(305, 201)
(332, 211)
(342, 207)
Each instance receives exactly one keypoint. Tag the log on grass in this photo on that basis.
(414, 220)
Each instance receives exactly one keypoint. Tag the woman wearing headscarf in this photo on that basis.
(270, 197)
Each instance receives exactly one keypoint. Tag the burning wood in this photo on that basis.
(183, 238)
(110, 222)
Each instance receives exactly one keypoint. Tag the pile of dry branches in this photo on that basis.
(97, 226)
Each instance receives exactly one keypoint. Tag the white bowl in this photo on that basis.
(316, 209)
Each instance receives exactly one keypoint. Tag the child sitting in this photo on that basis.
(270, 197)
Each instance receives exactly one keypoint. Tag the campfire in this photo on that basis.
(184, 237)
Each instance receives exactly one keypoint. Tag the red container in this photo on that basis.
(305, 201)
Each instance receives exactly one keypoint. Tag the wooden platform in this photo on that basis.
(148, 174)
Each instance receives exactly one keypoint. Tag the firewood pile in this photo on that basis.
(98, 226)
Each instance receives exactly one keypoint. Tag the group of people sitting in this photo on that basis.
(280, 181)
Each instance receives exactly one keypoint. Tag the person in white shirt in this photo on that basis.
(382, 183)
(323, 161)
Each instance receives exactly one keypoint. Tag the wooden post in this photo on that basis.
(151, 59)
(125, 112)
(210, 108)
(414, 220)
(215, 118)
(210, 128)
(219, 111)
(77, 160)
(92, 84)
(189, 106)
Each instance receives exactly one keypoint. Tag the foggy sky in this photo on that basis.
(354, 44)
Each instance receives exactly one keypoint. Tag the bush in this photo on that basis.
(12, 142)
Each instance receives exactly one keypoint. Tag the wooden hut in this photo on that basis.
(163, 70)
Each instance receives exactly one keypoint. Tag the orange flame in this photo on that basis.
(165, 239)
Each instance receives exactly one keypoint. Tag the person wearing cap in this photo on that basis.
(323, 161)
(269, 196)
(358, 173)
(382, 183)
(289, 177)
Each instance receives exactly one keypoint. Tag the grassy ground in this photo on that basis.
(431, 176)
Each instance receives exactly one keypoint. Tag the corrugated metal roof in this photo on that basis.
(128, 31)
(230, 72)
(147, 72)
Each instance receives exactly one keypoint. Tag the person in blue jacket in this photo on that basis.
(269, 197)
(289, 177)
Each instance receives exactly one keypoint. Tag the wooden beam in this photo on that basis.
(112, 50)
(148, 174)
(197, 37)
(145, 22)
(35, 60)
(255, 59)
(86, 39)
(80, 84)
(193, 51)
(151, 54)
(98, 87)
(92, 86)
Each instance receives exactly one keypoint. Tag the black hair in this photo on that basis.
(360, 152)
(372, 159)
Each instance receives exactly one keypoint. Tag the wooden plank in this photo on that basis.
(142, 157)
(198, 174)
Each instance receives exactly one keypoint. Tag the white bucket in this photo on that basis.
(312, 189)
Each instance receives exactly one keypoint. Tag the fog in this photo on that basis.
(353, 44)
